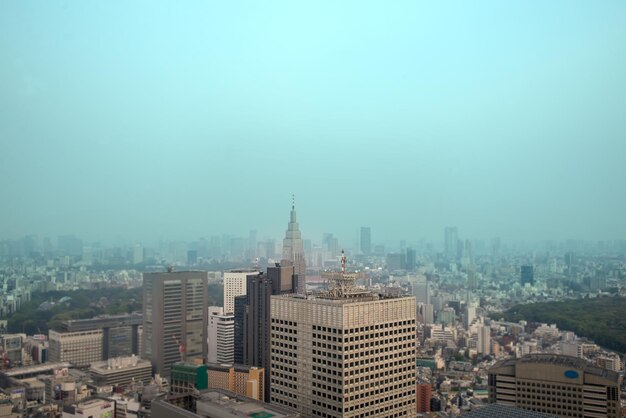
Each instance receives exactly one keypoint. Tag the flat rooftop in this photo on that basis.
(241, 406)
(561, 360)
(501, 411)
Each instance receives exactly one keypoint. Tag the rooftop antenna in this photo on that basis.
(293, 201)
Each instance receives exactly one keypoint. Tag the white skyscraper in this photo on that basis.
(484, 340)
(235, 285)
(221, 336)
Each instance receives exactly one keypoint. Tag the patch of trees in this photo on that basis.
(602, 319)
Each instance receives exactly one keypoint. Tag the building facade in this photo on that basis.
(238, 378)
(120, 333)
(555, 384)
(221, 336)
(80, 348)
(174, 318)
(121, 372)
(235, 285)
(293, 251)
(347, 355)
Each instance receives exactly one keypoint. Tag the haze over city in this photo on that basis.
(151, 120)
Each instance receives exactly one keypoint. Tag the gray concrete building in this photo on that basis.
(120, 333)
(555, 384)
(345, 353)
(293, 251)
(174, 318)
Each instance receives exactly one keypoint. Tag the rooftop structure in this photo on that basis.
(501, 411)
(121, 371)
(355, 352)
(555, 384)
(218, 403)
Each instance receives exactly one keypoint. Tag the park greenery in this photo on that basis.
(601, 319)
(47, 310)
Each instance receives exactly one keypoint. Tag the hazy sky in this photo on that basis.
(185, 119)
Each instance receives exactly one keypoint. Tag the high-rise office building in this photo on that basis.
(555, 384)
(235, 285)
(484, 340)
(451, 243)
(252, 316)
(346, 353)
(411, 259)
(366, 240)
(527, 275)
(174, 318)
(221, 340)
(293, 250)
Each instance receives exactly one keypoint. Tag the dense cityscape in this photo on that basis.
(298, 328)
(312, 209)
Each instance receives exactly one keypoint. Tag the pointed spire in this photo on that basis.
(293, 201)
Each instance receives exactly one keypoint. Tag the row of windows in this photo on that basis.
(373, 392)
(376, 401)
(284, 322)
(284, 330)
(277, 385)
(288, 404)
(284, 345)
(378, 376)
(409, 364)
(371, 360)
(284, 376)
(377, 351)
(284, 353)
(381, 326)
(323, 378)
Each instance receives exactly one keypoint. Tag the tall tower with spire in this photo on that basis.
(293, 249)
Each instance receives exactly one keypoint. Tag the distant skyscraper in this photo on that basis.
(174, 318)
(293, 250)
(527, 275)
(346, 354)
(451, 242)
(366, 240)
(411, 259)
(484, 340)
